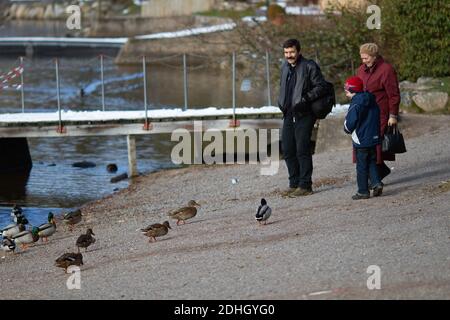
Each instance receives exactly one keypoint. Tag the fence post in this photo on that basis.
(234, 122)
(269, 99)
(317, 57)
(144, 68)
(22, 92)
(185, 82)
(60, 126)
(103, 82)
(353, 67)
(132, 159)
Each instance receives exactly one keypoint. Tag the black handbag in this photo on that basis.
(393, 141)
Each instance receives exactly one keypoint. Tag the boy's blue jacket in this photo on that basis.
(363, 120)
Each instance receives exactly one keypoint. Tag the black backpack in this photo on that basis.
(323, 105)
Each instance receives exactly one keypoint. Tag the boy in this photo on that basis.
(363, 123)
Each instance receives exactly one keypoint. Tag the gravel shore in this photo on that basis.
(315, 247)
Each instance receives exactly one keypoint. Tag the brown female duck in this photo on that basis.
(85, 240)
(156, 230)
(69, 259)
(185, 213)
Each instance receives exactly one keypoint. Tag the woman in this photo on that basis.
(380, 79)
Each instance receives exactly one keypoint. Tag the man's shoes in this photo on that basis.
(300, 192)
(378, 190)
(287, 192)
(359, 196)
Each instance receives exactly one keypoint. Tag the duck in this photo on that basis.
(12, 229)
(72, 218)
(264, 212)
(21, 220)
(69, 259)
(185, 213)
(85, 240)
(47, 229)
(16, 210)
(8, 245)
(156, 230)
(111, 167)
(27, 237)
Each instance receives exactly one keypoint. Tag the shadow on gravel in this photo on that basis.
(424, 175)
(269, 223)
(195, 221)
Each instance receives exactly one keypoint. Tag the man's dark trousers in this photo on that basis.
(296, 145)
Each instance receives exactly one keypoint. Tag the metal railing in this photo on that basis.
(185, 67)
(145, 63)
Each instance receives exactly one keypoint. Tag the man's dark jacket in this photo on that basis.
(309, 87)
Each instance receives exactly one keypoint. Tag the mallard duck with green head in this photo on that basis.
(156, 230)
(11, 230)
(16, 210)
(21, 220)
(85, 240)
(72, 218)
(185, 213)
(263, 213)
(27, 237)
(69, 259)
(18, 218)
(47, 229)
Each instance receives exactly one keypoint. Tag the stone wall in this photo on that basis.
(39, 11)
(170, 8)
(212, 44)
(132, 26)
(128, 27)
(324, 4)
(331, 135)
(427, 94)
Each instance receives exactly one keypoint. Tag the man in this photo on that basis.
(301, 83)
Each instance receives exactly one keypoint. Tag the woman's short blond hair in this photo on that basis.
(369, 48)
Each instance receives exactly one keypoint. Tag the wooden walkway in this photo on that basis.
(23, 126)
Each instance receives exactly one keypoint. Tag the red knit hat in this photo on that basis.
(354, 84)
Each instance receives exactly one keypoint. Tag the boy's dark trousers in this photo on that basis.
(366, 165)
(296, 146)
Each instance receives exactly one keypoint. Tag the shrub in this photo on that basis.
(423, 32)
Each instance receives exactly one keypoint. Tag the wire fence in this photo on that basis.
(13, 79)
